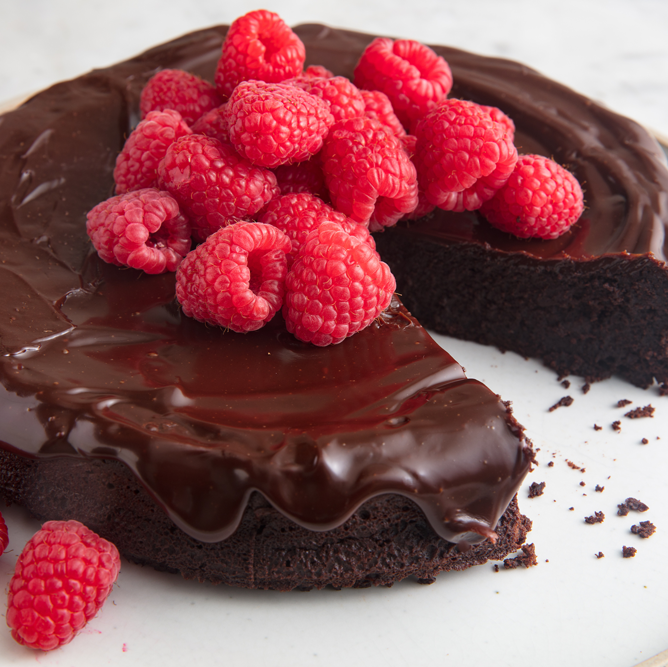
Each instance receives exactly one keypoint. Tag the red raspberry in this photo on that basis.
(462, 156)
(377, 105)
(62, 578)
(303, 176)
(317, 71)
(409, 73)
(213, 184)
(498, 116)
(236, 278)
(369, 175)
(184, 92)
(259, 45)
(540, 199)
(214, 124)
(336, 287)
(344, 98)
(143, 229)
(298, 214)
(137, 163)
(276, 123)
(4, 538)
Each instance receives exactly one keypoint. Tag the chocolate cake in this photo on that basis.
(253, 460)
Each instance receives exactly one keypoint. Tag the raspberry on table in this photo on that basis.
(344, 98)
(181, 91)
(462, 155)
(377, 105)
(261, 46)
(236, 278)
(368, 173)
(213, 183)
(276, 123)
(305, 176)
(62, 578)
(541, 199)
(213, 124)
(137, 164)
(297, 214)
(411, 74)
(336, 287)
(4, 538)
(143, 229)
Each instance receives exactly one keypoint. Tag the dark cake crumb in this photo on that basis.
(536, 489)
(623, 402)
(644, 441)
(575, 466)
(599, 488)
(639, 413)
(571, 509)
(600, 554)
(586, 387)
(645, 529)
(550, 464)
(597, 427)
(631, 504)
(629, 552)
(582, 484)
(527, 558)
(565, 401)
(496, 567)
(617, 426)
(596, 517)
(663, 389)
(566, 384)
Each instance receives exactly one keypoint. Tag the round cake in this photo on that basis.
(256, 460)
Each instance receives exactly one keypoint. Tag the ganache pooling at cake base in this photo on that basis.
(102, 374)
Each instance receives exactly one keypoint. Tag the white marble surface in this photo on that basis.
(574, 610)
(615, 51)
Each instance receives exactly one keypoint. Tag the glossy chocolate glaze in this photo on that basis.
(98, 361)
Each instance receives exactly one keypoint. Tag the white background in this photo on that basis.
(573, 610)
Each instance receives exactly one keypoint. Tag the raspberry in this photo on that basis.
(316, 71)
(409, 73)
(62, 578)
(4, 538)
(259, 45)
(498, 116)
(276, 123)
(540, 199)
(303, 176)
(344, 98)
(213, 184)
(336, 287)
(377, 105)
(462, 156)
(137, 164)
(236, 278)
(298, 214)
(143, 229)
(369, 175)
(175, 89)
(214, 124)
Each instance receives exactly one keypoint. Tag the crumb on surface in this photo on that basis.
(599, 488)
(586, 387)
(527, 558)
(596, 517)
(597, 427)
(571, 509)
(663, 389)
(600, 554)
(629, 552)
(639, 413)
(496, 567)
(550, 464)
(536, 489)
(572, 465)
(582, 484)
(645, 529)
(617, 426)
(623, 402)
(566, 384)
(631, 504)
(645, 441)
(564, 401)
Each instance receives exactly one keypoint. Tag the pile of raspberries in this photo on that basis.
(278, 174)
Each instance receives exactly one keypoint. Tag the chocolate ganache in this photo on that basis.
(98, 361)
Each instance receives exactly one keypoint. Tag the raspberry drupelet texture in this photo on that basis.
(541, 199)
(143, 229)
(368, 173)
(236, 278)
(259, 45)
(336, 287)
(137, 164)
(408, 72)
(276, 123)
(4, 538)
(345, 100)
(214, 124)
(377, 105)
(462, 155)
(213, 183)
(298, 214)
(62, 578)
(176, 89)
(306, 176)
